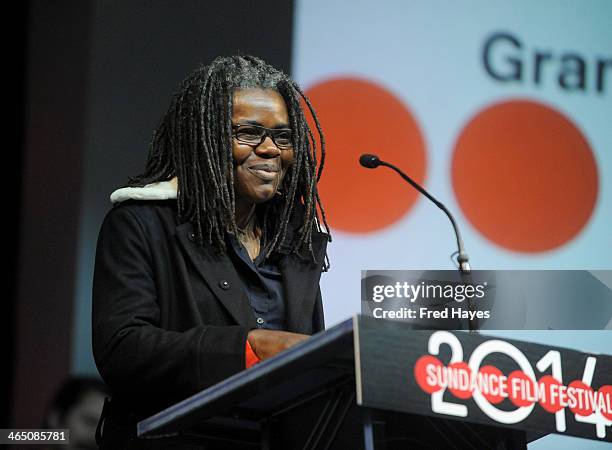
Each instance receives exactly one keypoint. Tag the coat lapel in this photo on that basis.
(301, 282)
(295, 281)
(220, 275)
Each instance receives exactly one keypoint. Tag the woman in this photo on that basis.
(210, 260)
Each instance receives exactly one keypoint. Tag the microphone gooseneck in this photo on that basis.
(372, 161)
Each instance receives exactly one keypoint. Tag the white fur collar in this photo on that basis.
(163, 190)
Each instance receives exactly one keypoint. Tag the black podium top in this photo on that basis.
(389, 366)
(322, 360)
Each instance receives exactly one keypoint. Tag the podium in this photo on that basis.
(354, 386)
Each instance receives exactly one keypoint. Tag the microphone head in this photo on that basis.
(369, 161)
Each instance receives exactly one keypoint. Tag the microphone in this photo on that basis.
(372, 161)
(369, 161)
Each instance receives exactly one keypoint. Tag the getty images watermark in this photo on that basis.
(536, 299)
(434, 293)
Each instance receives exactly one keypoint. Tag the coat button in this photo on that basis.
(224, 284)
(260, 321)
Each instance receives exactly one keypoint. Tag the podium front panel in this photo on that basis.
(472, 378)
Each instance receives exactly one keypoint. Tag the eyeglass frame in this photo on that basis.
(266, 132)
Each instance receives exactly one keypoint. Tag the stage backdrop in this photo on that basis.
(502, 110)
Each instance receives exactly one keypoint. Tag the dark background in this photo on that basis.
(93, 77)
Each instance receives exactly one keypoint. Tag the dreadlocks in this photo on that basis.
(194, 142)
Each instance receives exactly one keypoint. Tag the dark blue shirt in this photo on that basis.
(263, 283)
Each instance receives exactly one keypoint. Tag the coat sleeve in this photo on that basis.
(135, 356)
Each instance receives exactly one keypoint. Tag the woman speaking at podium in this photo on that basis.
(210, 260)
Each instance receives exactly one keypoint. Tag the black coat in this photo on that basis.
(169, 318)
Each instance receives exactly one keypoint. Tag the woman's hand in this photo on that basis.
(268, 343)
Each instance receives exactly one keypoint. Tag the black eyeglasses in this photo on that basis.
(254, 135)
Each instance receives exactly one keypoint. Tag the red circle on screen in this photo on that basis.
(359, 116)
(525, 176)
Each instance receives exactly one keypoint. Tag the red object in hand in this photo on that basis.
(251, 357)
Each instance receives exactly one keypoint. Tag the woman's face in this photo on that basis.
(259, 168)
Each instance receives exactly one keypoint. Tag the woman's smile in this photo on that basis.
(265, 171)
